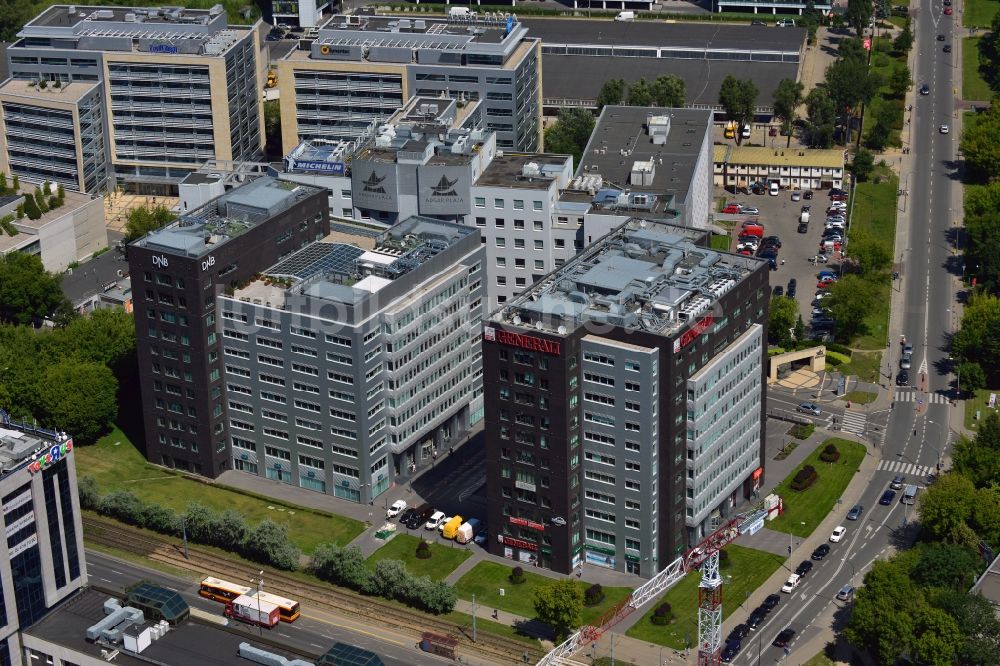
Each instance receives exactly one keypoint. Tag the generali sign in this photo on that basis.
(523, 522)
(523, 341)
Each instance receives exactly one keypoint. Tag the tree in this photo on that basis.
(900, 81)
(945, 506)
(781, 320)
(787, 98)
(668, 91)
(850, 83)
(982, 260)
(143, 220)
(800, 329)
(389, 579)
(570, 133)
(980, 625)
(28, 292)
(200, 523)
(231, 529)
(31, 208)
(864, 164)
(344, 566)
(852, 298)
(989, 55)
(738, 97)
(936, 636)
(90, 496)
(970, 376)
(946, 565)
(104, 336)
(612, 93)
(978, 338)
(558, 603)
(78, 397)
(904, 40)
(882, 620)
(978, 458)
(821, 118)
(859, 15)
(880, 133)
(980, 145)
(272, 127)
(872, 257)
(268, 543)
(640, 94)
(40, 200)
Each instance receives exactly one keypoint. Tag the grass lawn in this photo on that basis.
(819, 660)
(486, 579)
(978, 404)
(403, 547)
(973, 85)
(116, 464)
(861, 397)
(813, 504)
(464, 620)
(719, 242)
(979, 13)
(746, 571)
(863, 365)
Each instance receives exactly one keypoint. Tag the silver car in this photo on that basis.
(904, 362)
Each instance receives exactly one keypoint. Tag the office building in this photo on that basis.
(793, 168)
(43, 561)
(177, 271)
(137, 97)
(625, 411)
(297, 13)
(773, 6)
(360, 69)
(348, 370)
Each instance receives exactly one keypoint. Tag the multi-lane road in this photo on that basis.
(915, 435)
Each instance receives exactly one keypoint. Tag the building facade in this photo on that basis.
(794, 168)
(361, 69)
(137, 97)
(177, 272)
(348, 370)
(43, 561)
(626, 415)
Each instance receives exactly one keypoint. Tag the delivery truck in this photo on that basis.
(253, 611)
(467, 532)
(451, 527)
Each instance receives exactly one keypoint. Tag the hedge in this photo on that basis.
(804, 478)
(830, 454)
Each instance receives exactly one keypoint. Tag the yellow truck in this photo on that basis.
(451, 527)
(731, 128)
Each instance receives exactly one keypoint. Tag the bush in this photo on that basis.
(724, 558)
(802, 431)
(830, 454)
(423, 550)
(663, 614)
(593, 595)
(804, 478)
(516, 576)
(837, 347)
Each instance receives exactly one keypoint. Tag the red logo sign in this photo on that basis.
(527, 523)
(693, 332)
(517, 543)
(525, 342)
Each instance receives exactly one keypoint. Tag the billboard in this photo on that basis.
(330, 168)
(374, 185)
(443, 190)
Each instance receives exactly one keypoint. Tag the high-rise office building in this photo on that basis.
(134, 96)
(177, 272)
(625, 407)
(43, 560)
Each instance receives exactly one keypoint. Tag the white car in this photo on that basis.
(745, 132)
(773, 190)
(944, 129)
(398, 507)
(791, 583)
(436, 519)
(838, 534)
(749, 210)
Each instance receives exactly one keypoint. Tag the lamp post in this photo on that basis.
(260, 583)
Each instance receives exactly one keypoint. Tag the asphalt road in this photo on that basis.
(917, 427)
(312, 634)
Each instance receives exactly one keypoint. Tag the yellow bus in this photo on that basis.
(288, 610)
(221, 590)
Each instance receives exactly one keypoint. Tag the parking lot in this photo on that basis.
(779, 216)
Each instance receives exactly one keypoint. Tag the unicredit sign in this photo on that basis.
(523, 341)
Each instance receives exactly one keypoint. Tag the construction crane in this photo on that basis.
(704, 555)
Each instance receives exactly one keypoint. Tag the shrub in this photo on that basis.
(804, 478)
(423, 550)
(593, 595)
(516, 575)
(837, 347)
(724, 558)
(802, 430)
(830, 454)
(663, 614)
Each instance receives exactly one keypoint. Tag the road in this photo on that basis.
(916, 430)
(313, 633)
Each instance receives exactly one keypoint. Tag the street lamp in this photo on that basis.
(260, 583)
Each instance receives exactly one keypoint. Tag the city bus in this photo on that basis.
(222, 590)
(288, 610)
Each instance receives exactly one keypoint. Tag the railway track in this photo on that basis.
(328, 597)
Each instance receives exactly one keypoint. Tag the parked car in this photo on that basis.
(750, 210)
(739, 632)
(908, 348)
(826, 275)
(397, 508)
(784, 638)
(731, 209)
(947, 48)
(771, 602)
(778, 291)
(756, 617)
(731, 650)
(905, 362)
(808, 194)
(419, 517)
(792, 287)
(773, 189)
(855, 512)
(820, 312)
(791, 584)
(437, 518)
(944, 129)
(481, 537)
(803, 227)
(804, 567)
(809, 408)
(837, 190)
(940, 37)
(887, 497)
(947, 11)
(406, 516)
(903, 378)
(846, 593)
(821, 551)
(838, 533)
(444, 521)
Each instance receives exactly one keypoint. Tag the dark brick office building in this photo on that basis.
(625, 403)
(177, 272)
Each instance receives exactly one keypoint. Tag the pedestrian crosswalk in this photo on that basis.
(902, 467)
(923, 398)
(854, 422)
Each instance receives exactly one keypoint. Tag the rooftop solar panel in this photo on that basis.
(318, 258)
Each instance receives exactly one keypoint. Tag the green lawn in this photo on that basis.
(486, 579)
(974, 87)
(860, 397)
(863, 365)
(978, 404)
(819, 660)
(746, 571)
(874, 210)
(403, 547)
(979, 13)
(813, 504)
(719, 242)
(116, 464)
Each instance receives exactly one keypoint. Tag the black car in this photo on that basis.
(784, 638)
(757, 23)
(792, 284)
(887, 497)
(903, 378)
(406, 515)
(947, 48)
(771, 241)
(739, 632)
(803, 227)
(419, 517)
(771, 602)
(808, 194)
(925, 89)
(804, 568)
(836, 191)
(731, 650)
(940, 38)
(778, 291)
(821, 551)
(756, 617)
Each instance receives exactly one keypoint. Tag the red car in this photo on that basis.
(731, 209)
(823, 285)
(947, 11)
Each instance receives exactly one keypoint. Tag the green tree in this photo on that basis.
(389, 579)
(880, 133)
(272, 128)
(821, 118)
(781, 318)
(859, 15)
(90, 495)
(640, 94)
(28, 292)
(104, 336)
(872, 257)
(971, 376)
(31, 207)
(122, 505)
(143, 220)
(41, 201)
(882, 617)
(978, 338)
(945, 506)
(980, 145)
(344, 566)
(904, 40)
(900, 81)
(852, 298)
(978, 458)
(668, 91)
(231, 529)
(558, 603)
(863, 165)
(200, 522)
(15, 182)
(800, 329)
(570, 133)
(612, 93)
(787, 98)
(978, 621)
(268, 543)
(937, 637)
(946, 565)
(982, 261)
(982, 199)
(738, 97)
(78, 397)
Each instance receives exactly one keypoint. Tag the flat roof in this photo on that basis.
(581, 77)
(480, 29)
(60, 16)
(68, 93)
(661, 34)
(645, 275)
(989, 583)
(19, 442)
(801, 157)
(509, 170)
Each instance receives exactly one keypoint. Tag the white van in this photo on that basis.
(459, 12)
(909, 495)
(625, 16)
(773, 189)
(791, 583)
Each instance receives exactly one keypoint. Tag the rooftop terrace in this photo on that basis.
(430, 32)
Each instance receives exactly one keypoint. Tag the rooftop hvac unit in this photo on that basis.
(531, 170)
